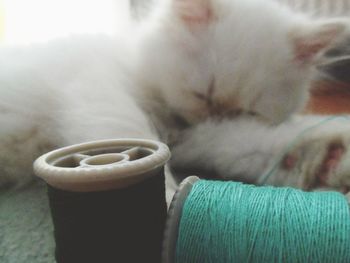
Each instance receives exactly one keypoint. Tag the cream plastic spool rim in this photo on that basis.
(120, 173)
(174, 217)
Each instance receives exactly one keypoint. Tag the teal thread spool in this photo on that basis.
(211, 221)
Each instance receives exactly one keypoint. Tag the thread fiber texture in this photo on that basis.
(234, 222)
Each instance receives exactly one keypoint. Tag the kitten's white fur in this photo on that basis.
(217, 80)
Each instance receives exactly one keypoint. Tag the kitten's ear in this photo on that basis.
(311, 40)
(194, 12)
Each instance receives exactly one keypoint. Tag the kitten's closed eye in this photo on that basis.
(207, 97)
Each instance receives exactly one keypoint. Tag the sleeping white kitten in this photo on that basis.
(218, 80)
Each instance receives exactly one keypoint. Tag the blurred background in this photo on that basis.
(29, 21)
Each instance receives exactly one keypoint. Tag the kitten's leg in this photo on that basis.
(48, 100)
(26, 131)
(93, 117)
(307, 152)
(21, 141)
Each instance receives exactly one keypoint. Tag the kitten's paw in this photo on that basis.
(330, 163)
(321, 160)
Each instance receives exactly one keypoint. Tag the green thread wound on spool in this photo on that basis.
(233, 222)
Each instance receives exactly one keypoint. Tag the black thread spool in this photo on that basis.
(107, 200)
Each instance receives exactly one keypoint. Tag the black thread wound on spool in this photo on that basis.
(122, 225)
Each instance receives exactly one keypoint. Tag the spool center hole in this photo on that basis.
(104, 159)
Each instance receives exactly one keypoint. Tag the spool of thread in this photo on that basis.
(107, 200)
(213, 221)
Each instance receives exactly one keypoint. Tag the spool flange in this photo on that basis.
(102, 165)
(173, 219)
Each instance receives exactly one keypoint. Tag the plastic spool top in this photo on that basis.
(102, 165)
(174, 217)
